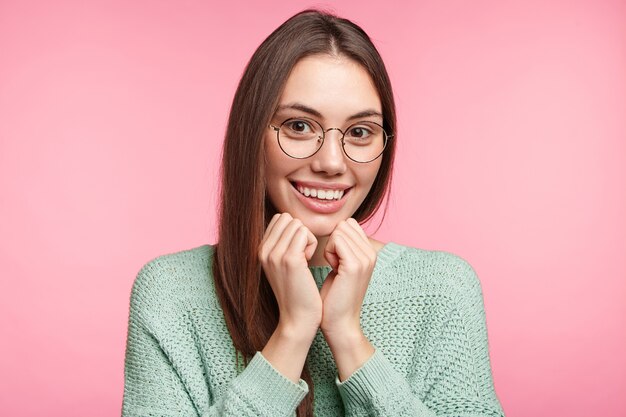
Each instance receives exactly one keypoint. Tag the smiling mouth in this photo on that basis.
(321, 194)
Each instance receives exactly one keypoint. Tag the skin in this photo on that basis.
(297, 237)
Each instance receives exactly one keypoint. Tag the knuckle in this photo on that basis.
(290, 261)
(364, 263)
(280, 218)
(352, 267)
(274, 258)
(297, 222)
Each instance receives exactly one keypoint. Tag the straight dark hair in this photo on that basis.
(247, 300)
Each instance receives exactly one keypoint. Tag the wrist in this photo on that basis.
(287, 350)
(295, 334)
(342, 338)
(345, 328)
(350, 352)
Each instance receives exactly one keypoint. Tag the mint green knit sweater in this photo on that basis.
(423, 313)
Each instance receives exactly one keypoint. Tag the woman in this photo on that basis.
(295, 298)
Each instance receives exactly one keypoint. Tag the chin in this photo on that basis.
(322, 226)
(321, 231)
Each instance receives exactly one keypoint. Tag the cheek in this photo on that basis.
(278, 167)
(372, 171)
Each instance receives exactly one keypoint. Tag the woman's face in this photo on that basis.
(336, 92)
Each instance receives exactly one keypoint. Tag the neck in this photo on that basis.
(318, 257)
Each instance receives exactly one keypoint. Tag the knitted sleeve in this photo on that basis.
(460, 380)
(154, 386)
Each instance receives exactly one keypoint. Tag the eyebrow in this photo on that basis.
(313, 112)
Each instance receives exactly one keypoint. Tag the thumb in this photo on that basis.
(311, 245)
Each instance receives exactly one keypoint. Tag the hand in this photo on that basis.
(286, 247)
(352, 258)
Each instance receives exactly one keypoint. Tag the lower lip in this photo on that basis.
(321, 206)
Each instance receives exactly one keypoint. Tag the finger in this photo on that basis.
(284, 242)
(272, 236)
(356, 226)
(330, 253)
(343, 249)
(340, 248)
(307, 246)
(362, 248)
(368, 248)
(311, 245)
(299, 241)
(278, 222)
(271, 224)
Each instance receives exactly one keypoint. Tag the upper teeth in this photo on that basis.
(321, 194)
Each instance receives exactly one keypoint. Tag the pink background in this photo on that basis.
(511, 154)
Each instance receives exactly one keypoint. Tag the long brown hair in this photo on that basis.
(249, 305)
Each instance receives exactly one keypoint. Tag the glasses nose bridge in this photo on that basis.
(325, 137)
(334, 128)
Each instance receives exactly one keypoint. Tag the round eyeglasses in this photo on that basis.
(301, 138)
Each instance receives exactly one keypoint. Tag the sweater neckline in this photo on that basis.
(386, 255)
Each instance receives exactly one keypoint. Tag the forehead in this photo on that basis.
(337, 87)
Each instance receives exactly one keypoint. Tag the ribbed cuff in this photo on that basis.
(270, 386)
(372, 379)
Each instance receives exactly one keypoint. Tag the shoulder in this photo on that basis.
(173, 280)
(431, 271)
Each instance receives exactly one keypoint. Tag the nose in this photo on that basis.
(330, 158)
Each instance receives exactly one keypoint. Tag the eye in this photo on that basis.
(298, 126)
(359, 132)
